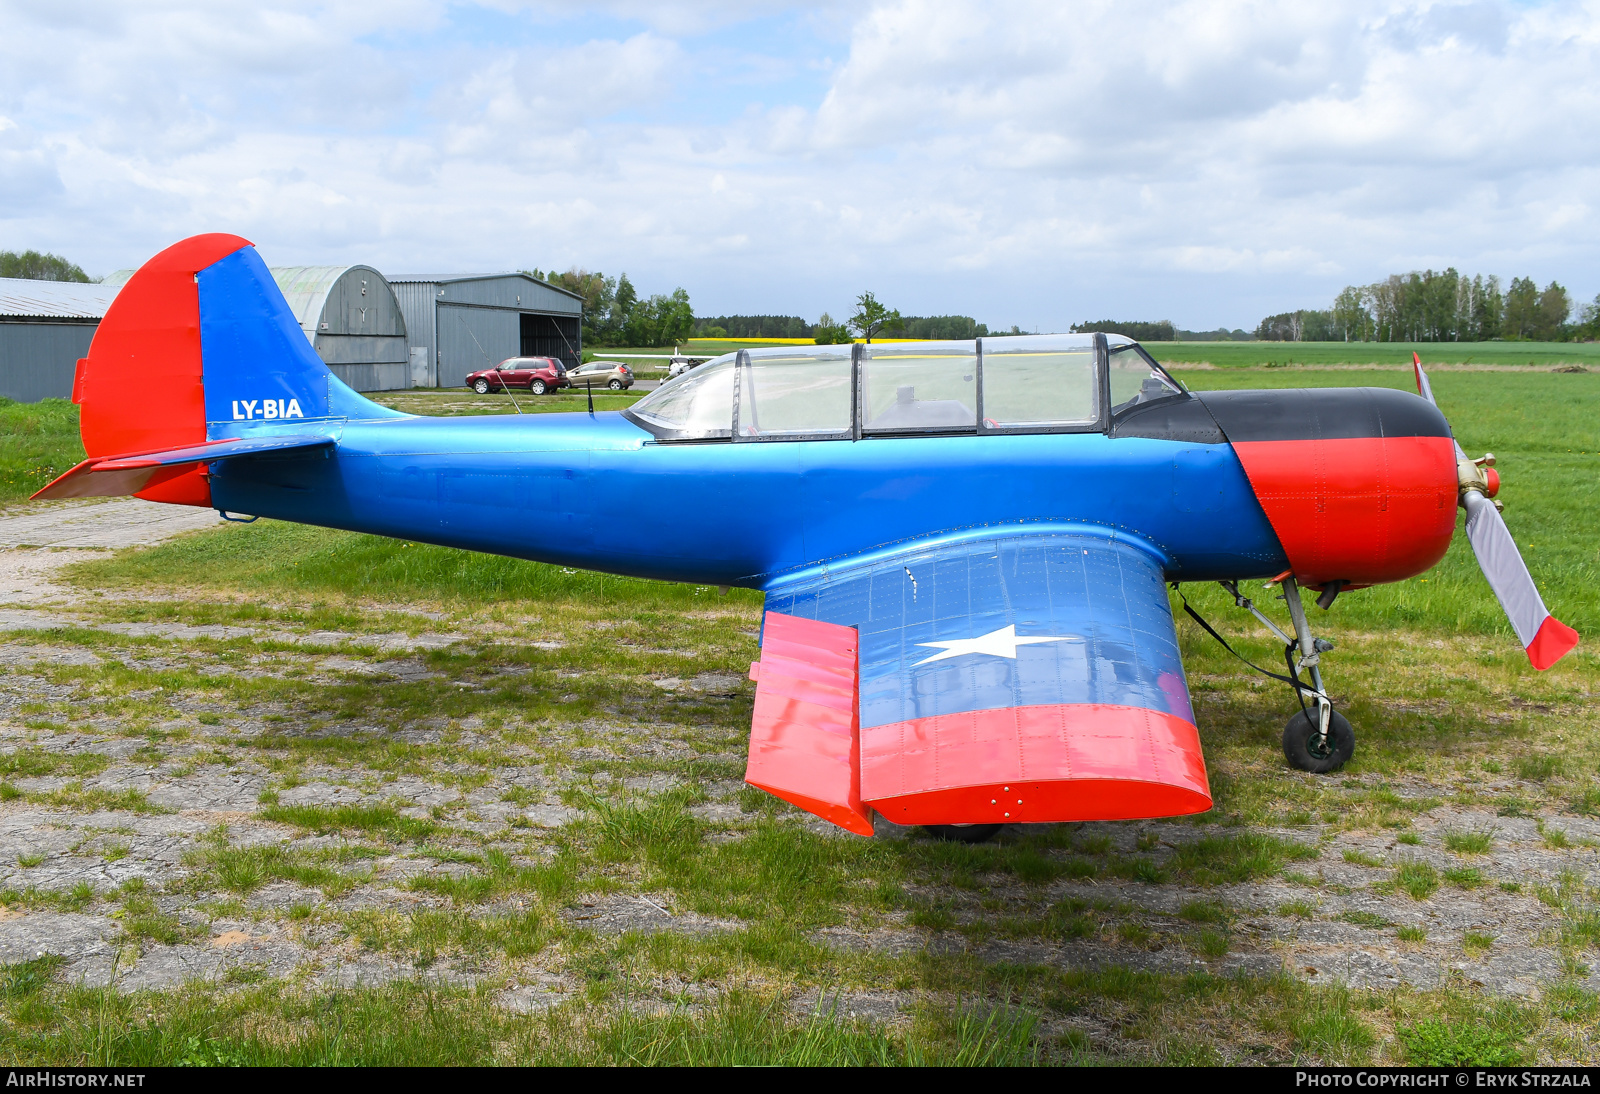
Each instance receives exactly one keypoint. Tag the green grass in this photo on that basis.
(38, 441)
(1370, 920)
(1331, 1029)
(1238, 355)
(1228, 860)
(1468, 843)
(380, 820)
(454, 402)
(1538, 767)
(243, 870)
(1419, 880)
(411, 1024)
(30, 763)
(1435, 1042)
(298, 559)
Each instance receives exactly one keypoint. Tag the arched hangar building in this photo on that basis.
(354, 322)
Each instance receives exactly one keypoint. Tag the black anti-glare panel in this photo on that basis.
(1323, 414)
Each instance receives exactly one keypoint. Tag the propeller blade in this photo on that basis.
(1545, 637)
(1425, 389)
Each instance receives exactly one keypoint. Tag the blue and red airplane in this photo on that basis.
(965, 546)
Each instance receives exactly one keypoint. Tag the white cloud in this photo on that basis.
(1022, 161)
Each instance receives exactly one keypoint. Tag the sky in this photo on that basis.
(1027, 163)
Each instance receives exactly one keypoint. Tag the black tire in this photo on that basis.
(615, 385)
(537, 387)
(1341, 743)
(481, 386)
(963, 833)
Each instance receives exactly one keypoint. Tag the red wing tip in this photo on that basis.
(1553, 642)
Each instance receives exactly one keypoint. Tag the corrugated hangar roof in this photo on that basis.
(24, 299)
(306, 288)
(445, 279)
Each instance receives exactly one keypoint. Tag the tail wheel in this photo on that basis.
(1323, 756)
(963, 833)
(615, 385)
(481, 387)
(538, 387)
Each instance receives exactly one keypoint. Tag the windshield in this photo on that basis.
(1137, 379)
(696, 404)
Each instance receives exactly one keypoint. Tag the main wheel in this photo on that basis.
(615, 385)
(963, 833)
(1331, 755)
(538, 387)
(481, 387)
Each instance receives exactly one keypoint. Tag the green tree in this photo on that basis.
(599, 294)
(1488, 310)
(40, 267)
(1551, 315)
(1522, 308)
(829, 333)
(871, 317)
(1350, 316)
(1590, 320)
(660, 320)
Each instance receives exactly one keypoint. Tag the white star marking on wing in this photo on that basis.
(1000, 643)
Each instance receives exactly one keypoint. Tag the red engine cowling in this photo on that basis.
(1358, 483)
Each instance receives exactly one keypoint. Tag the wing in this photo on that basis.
(1028, 678)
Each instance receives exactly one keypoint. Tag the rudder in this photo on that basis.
(142, 387)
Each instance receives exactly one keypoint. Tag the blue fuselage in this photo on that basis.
(600, 493)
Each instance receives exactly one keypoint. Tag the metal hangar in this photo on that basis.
(462, 324)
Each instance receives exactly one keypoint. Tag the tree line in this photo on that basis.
(1432, 306)
(793, 326)
(40, 267)
(614, 314)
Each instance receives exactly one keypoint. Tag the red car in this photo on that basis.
(537, 374)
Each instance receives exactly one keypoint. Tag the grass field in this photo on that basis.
(38, 441)
(329, 798)
(1396, 354)
(1304, 354)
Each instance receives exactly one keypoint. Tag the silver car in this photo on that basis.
(612, 374)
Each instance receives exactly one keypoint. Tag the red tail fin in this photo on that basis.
(140, 389)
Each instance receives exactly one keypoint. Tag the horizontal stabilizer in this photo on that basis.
(129, 472)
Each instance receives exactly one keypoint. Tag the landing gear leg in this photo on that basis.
(1318, 739)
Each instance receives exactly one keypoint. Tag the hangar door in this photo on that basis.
(551, 336)
(473, 338)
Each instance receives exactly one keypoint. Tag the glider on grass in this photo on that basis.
(965, 546)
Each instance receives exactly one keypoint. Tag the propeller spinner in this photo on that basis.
(1545, 637)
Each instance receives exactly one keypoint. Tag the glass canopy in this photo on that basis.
(1019, 384)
